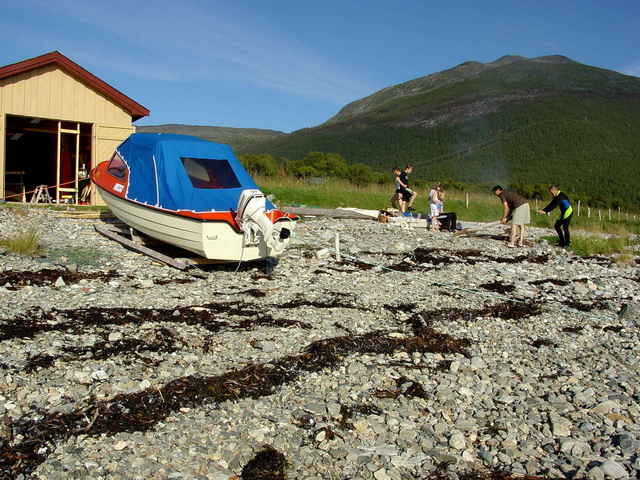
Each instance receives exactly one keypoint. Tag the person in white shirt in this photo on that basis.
(435, 206)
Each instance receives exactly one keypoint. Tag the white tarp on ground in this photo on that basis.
(362, 211)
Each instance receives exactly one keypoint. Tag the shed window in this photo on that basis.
(210, 173)
(117, 167)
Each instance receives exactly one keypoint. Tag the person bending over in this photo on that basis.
(516, 207)
(560, 200)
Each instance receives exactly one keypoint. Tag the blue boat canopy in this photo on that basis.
(180, 172)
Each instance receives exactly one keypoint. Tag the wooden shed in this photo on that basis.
(57, 121)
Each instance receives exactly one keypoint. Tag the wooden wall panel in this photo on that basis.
(2, 143)
(50, 92)
(107, 138)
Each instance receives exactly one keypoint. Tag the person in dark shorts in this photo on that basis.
(408, 195)
(517, 209)
(560, 200)
(397, 200)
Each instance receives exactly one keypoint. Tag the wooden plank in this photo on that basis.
(201, 261)
(139, 248)
(326, 212)
(89, 215)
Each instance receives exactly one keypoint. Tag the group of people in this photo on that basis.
(404, 196)
(516, 210)
(515, 207)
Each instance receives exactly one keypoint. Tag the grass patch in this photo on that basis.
(77, 255)
(588, 245)
(336, 193)
(25, 242)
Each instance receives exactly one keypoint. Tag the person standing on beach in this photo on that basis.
(435, 207)
(515, 207)
(560, 200)
(397, 200)
(408, 195)
(441, 195)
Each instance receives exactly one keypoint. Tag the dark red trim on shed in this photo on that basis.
(136, 110)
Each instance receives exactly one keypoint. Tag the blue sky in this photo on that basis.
(287, 65)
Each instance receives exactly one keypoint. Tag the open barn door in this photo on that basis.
(68, 162)
(46, 156)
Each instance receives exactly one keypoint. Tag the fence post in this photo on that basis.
(609, 214)
(578, 212)
(599, 214)
(467, 199)
(588, 212)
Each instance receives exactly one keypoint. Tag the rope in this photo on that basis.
(474, 291)
(35, 189)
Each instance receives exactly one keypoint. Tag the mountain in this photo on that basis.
(515, 120)
(237, 137)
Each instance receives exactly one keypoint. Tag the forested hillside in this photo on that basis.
(513, 121)
(237, 137)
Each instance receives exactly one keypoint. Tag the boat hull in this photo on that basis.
(211, 239)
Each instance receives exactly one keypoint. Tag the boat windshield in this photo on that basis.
(210, 173)
(117, 167)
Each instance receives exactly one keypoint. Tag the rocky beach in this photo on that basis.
(418, 354)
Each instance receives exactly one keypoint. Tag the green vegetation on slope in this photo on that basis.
(516, 121)
(589, 144)
(237, 137)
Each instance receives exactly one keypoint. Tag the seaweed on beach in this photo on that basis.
(498, 287)
(48, 276)
(424, 259)
(211, 316)
(164, 342)
(335, 301)
(348, 412)
(553, 281)
(169, 281)
(612, 328)
(400, 307)
(441, 473)
(268, 464)
(573, 329)
(505, 310)
(543, 342)
(404, 386)
(597, 304)
(142, 410)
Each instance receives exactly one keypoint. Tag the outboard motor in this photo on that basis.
(255, 224)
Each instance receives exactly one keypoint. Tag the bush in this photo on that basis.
(360, 174)
(25, 242)
(261, 164)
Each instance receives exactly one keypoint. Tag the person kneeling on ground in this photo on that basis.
(516, 207)
(560, 200)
